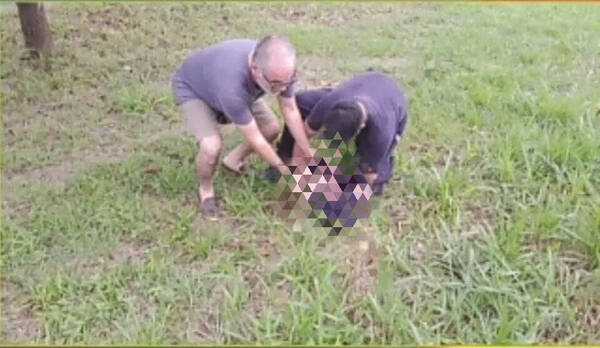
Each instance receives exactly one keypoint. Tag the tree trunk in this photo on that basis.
(35, 28)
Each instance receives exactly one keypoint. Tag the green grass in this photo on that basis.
(489, 231)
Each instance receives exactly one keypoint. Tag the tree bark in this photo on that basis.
(35, 27)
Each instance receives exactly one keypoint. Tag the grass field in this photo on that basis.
(489, 232)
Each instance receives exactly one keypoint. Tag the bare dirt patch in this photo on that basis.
(19, 323)
(477, 221)
(358, 257)
(60, 174)
(587, 305)
(125, 253)
(130, 252)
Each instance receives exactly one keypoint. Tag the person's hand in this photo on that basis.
(309, 153)
(284, 170)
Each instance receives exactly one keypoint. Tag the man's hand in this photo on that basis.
(372, 180)
(284, 170)
(371, 177)
(295, 124)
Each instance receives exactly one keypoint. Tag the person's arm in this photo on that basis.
(306, 102)
(371, 159)
(309, 131)
(294, 122)
(296, 151)
(261, 146)
(239, 113)
(372, 145)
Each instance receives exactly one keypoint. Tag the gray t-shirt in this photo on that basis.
(220, 76)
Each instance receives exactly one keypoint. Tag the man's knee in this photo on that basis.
(271, 130)
(267, 121)
(210, 148)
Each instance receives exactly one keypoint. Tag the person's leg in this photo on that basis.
(287, 148)
(201, 121)
(209, 149)
(384, 174)
(386, 169)
(269, 127)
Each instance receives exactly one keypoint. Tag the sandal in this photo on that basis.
(208, 206)
(271, 174)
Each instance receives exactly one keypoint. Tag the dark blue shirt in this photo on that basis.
(385, 104)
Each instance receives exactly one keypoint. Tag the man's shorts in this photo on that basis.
(202, 120)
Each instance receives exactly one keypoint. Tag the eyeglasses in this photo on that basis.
(276, 84)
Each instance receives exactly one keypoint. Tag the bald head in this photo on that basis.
(275, 56)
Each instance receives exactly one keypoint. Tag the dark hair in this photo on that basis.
(344, 118)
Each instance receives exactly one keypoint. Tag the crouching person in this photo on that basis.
(224, 83)
(370, 109)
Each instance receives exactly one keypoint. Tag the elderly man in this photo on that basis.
(370, 109)
(224, 83)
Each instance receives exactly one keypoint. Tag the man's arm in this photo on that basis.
(294, 122)
(296, 151)
(309, 131)
(306, 102)
(262, 146)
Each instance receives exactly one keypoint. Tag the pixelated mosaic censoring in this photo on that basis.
(328, 187)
